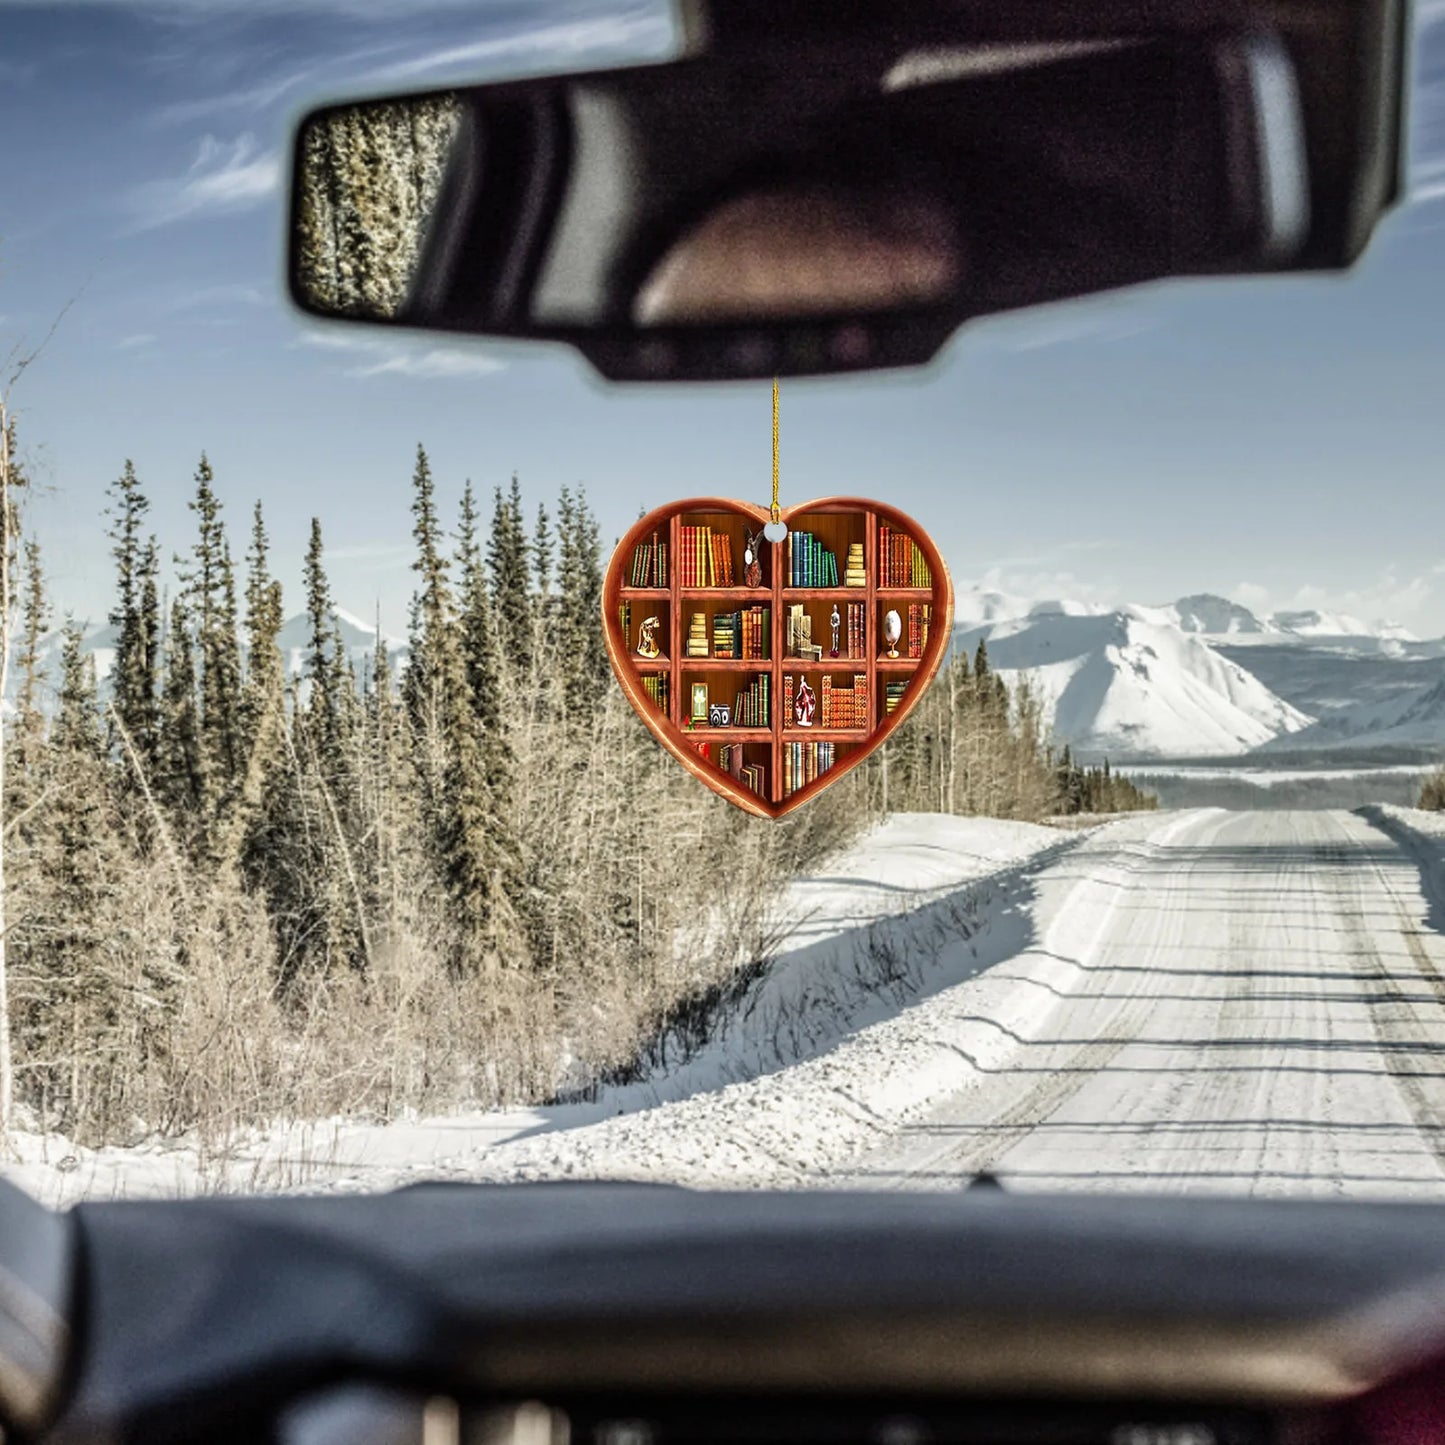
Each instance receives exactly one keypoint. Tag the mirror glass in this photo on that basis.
(367, 180)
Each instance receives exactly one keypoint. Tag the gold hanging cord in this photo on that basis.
(776, 508)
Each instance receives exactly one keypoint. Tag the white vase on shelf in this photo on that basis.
(892, 631)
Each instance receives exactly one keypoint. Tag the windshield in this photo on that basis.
(340, 846)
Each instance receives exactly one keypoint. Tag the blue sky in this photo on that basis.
(1280, 441)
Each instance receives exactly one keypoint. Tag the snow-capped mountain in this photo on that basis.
(1214, 616)
(975, 606)
(1313, 623)
(1130, 683)
(1406, 716)
(358, 638)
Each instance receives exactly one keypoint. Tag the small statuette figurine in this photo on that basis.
(892, 631)
(804, 705)
(753, 576)
(835, 621)
(647, 638)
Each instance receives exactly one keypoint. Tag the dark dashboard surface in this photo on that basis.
(561, 1290)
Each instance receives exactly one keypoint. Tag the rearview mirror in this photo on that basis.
(805, 208)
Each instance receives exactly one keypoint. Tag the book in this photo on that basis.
(648, 567)
(919, 614)
(810, 564)
(656, 685)
(804, 763)
(697, 635)
(900, 562)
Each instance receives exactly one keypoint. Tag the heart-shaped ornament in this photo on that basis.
(769, 670)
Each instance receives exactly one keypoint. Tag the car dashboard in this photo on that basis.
(617, 1314)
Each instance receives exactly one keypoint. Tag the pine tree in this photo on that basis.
(211, 599)
(543, 548)
(583, 654)
(265, 670)
(474, 850)
(322, 666)
(132, 674)
(77, 723)
(511, 578)
(479, 643)
(262, 715)
(146, 700)
(28, 732)
(181, 769)
(79, 850)
(431, 608)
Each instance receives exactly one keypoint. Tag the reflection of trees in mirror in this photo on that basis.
(369, 179)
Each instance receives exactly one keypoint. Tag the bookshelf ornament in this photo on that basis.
(647, 638)
(753, 575)
(805, 706)
(892, 631)
(724, 586)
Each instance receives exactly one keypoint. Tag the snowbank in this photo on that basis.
(804, 1124)
(1422, 835)
(861, 938)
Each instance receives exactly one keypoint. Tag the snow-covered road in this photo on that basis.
(1259, 1008)
(1244, 1002)
(1247, 1002)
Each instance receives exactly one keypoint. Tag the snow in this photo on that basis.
(973, 606)
(1127, 684)
(1413, 716)
(358, 637)
(908, 876)
(1313, 623)
(1203, 1001)
(1200, 1000)
(1215, 616)
(1197, 1001)
(1269, 777)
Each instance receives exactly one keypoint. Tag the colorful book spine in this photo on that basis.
(804, 763)
(656, 685)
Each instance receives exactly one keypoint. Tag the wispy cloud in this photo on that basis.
(203, 9)
(437, 362)
(567, 39)
(1047, 585)
(249, 98)
(375, 357)
(561, 41)
(223, 177)
(226, 294)
(382, 554)
(136, 339)
(1068, 323)
(1389, 598)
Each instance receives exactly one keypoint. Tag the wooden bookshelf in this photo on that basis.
(835, 522)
